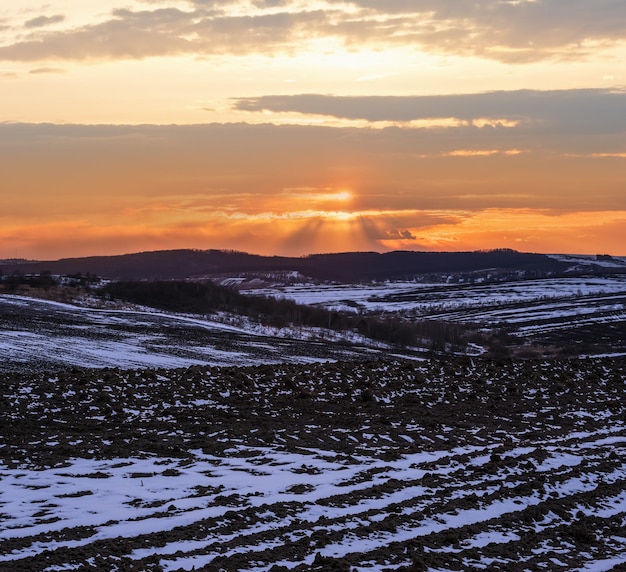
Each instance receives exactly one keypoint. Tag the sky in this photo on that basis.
(291, 127)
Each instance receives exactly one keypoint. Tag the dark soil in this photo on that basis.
(497, 425)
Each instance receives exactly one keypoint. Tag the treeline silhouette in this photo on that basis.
(207, 298)
(42, 280)
(46, 280)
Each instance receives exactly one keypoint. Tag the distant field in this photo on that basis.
(426, 299)
(588, 314)
(566, 316)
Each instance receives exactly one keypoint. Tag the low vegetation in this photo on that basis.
(207, 298)
(451, 328)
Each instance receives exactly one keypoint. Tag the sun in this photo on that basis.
(342, 196)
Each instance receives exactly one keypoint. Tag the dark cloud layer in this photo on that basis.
(589, 110)
(506, 31)
(392, 168)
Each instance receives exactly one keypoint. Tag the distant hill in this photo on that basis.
(162, 264)
(340, 267)
(408, 264)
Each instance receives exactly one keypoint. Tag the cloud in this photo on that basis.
(168, 31)
(520, 31)
(513, 32)
(41, 21)
(397, 234)
(127, 35)
(240, 170)
(46, 70)
(589, 110)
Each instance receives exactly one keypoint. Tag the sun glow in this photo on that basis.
(341, 196)
(294, 126)
(305, 232)
(319, 195)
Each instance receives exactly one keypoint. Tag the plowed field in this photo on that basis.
(367, 465)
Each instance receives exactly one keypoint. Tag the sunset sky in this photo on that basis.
(293, 127)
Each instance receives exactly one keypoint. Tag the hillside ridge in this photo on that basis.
(340, 267)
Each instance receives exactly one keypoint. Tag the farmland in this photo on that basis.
(43, 334)
(142, 440)
(582, 315)
(466, 464)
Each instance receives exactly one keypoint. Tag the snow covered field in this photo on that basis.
(40, 334)
(425, 299)
(232, 446)
(586, 315)
(381, 465)
(585, 311)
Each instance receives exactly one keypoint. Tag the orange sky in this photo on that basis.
(293, 128)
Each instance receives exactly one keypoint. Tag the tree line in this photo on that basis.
(43, 280)
(46, 280)
(208, 298)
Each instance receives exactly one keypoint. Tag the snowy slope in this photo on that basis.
(40, 334)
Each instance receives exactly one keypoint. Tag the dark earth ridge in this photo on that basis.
(348, 267)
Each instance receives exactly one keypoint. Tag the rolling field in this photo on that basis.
(585, 314)
(41, 334)
(137, 440)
